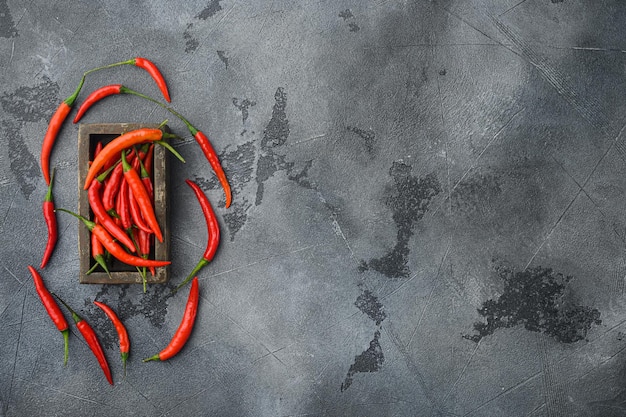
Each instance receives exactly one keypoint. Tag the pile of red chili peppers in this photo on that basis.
(124, 224)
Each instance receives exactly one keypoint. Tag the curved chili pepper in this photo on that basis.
(148, 159)
(122, 333)
(51, 222)
(95, 202)
(213, 231)
(144, 247)
(135, 213)
(113, 248)
(142, 197)
(54, 126)
(184, 329)
(97, 253)
(147, 65)
(156, 75)
(92, 340)
(96, 95)
(122, 142)
(53, 310)
(124, 206)
(214, 161)
(112, 187)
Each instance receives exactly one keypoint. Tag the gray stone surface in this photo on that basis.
(428, 214)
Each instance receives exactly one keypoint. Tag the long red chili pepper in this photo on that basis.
(92, 341)
(200, 137)
(135, 213)
(95, 202)
(213, 231)
(122, 333)
(124, 206)
(113, 248)
(147, 65)
(54, 126)
(97, 253)
(125, 141)
(184, 329)
(144, 246)
(96, 96)
(53, 309)
(142, 197)
(112, 187)
(51, 222)
(214, 161)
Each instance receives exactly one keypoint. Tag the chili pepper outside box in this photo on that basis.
(88, 135)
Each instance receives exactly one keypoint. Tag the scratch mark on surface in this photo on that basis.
(307, 140)
(6, 214)
(17, 348)
(511, 8)
(585, 107)
(267, 258)
(467, 363)
(415, 371)
(482, 152)
(430, 295)
(613, 143)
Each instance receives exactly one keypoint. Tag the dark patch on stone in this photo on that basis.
(302, 177)
(277, 130)
(236, 217)
(409, 203)
(32, 104)
(353, 27)
(475, 192)
(243, 107)
(368, 136)
(557, 1)
(346, 14)
(191, 43)
(152, 304)
(535, 299)
(210, 10)
(369, 304)
(7, 26)
(443, 72)
(23, 164)
(239, 167)
(223, 57)
(369, 361)
(275, 134)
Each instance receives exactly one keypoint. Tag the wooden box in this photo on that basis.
(88, 135)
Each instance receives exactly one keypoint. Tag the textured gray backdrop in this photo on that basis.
(429, 211)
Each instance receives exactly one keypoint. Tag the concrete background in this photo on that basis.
(428, 213)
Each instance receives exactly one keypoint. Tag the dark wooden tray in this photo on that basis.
(88, 135)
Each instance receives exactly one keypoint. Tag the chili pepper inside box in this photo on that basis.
(88, 136)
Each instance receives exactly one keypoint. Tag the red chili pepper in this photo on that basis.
(142, 197)
(112, 188)
(54, 126)
(135, 213)
(148, 159)
(52, 308)
(95, 96)
(95, 202)
(214, 161)
(184, 329)
(51, 221)
(124, 206)
(125, 141)
(147, 65)
(144, 245)
(113, 248)
(97, 253)
(213, 231)
(156, 75)
(92, 341)
(122, 333)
